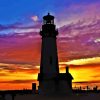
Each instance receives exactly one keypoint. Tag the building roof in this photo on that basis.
(65, 76)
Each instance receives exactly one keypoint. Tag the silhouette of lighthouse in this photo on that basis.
(50, 80)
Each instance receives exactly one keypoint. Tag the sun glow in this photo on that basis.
(22, 75)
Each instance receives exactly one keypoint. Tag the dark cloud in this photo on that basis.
(3, 67)
(19, 81)
(15, 62)
(19, 26)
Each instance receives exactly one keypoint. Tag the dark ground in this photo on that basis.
(27, 95)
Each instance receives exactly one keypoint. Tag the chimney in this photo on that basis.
(67, 69)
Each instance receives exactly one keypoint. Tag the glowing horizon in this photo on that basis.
(22, 74)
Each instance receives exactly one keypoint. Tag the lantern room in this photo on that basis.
(49, 19)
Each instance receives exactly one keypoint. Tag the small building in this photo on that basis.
(65, 82)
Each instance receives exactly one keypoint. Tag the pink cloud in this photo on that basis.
(76, 12)
(75, 40)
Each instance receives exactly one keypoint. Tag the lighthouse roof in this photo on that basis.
(48, 17)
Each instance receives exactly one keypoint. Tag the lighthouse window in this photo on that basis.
(48, 21)
(44, 21)
(50, 60)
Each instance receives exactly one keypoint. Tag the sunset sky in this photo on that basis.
(78, 42)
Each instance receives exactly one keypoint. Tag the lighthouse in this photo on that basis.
(50, 80)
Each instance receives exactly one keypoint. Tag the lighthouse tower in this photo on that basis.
(49, 69)
(49, 57)
(50, 80)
